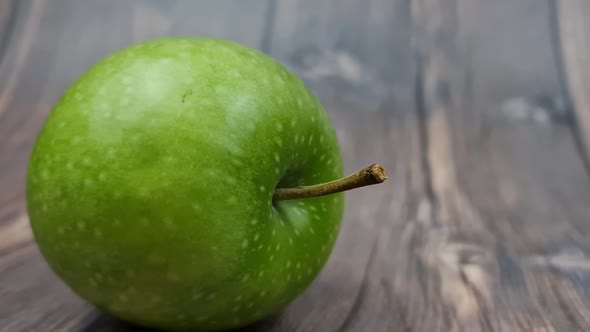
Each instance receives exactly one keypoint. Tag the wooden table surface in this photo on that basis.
(479, 109)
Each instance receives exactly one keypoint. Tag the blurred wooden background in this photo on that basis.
(479, 109)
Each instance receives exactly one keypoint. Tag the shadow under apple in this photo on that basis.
(107, 323)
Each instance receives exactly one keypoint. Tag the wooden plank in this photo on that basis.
(573, 38)
(506, 185)
(354, 54)
(8, 17)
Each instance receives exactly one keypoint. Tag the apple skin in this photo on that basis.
(150, 185)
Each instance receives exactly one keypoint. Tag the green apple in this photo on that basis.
(150, 186)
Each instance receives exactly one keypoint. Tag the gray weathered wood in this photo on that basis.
(485, 222)
(573, 43)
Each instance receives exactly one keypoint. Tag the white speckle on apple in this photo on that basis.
(70, 165)
(293, 123)
(279, 126)
(278, 247)
(289, 277)
(245, 277)
(245, 244)
(322, 157)
(102, 177)
(111, 153)
(98, 233)
(262, 189)
(123, 298)
(238, 298)
(172, 276)
(125, 102)
(299, 102)
(316, 217)
(201, 318)
(236, 308)
(197, 296)
(180, 317)
(299, 277)
(311, 230)
(235, 73)
(256, 236)
(81, 225)
(330, 162)
(231, 180)
(288, 263)
(260, 247)
(291, 241)
(61, 124)
(279, 141)
(263, 293)
(250, 305)
(273, 232)
(44, 207)
(277, 171)
(297, 232)
(155, 299)
(253, 221)
(156, 259)
(93, 282)
(221, 90)
(117, 222)
(261, 273)
(75, 140)
(271, 258)
(211, 296)
(60, 230)
(169, 222)
(310, 140)
(296, 138)
(144, 221)
(130, 273)
(313, 119)
(196, 207)
(277, 157)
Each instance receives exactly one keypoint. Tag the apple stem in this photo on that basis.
(373, 174)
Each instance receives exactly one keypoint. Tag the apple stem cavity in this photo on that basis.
(373, 174)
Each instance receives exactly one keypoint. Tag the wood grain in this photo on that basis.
(573, 43)
(484, 224)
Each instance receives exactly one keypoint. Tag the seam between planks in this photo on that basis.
(557, 46)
